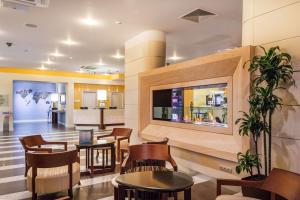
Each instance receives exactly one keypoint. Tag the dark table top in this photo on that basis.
(167, 181)
(96, 143)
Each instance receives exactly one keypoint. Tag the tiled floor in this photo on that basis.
(13, 183)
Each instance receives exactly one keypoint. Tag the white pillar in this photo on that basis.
(143, 52)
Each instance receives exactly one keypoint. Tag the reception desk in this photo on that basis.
(98, 117)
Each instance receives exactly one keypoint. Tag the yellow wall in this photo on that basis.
(80, 87)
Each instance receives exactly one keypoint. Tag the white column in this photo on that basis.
(143, 52)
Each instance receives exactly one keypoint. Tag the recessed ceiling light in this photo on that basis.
(1, 58)
(175, 57)
(69, 42)
(31, 25)
(42, 67)
(80, 71)
(89, 21)
(100, 63)
(118, 22)
(70, 58)
(48, 62)
(57, 54)
(118, 55)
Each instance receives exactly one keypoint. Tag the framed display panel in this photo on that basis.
(181, 118)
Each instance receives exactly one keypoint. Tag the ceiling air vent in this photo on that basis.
(20, 4)
(196, 15)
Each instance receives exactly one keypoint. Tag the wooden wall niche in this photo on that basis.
(207, 140)
(220, 80)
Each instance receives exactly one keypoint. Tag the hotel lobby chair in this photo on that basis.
(35, 143)
(122, 137)
(146, 157)
(52, 172)
(124, 150)
(280, 183)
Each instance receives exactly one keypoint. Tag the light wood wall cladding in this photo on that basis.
(271, 23)
(223, 145)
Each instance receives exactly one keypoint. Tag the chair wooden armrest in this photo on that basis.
(123, 166)
(104, 136)
(36, 149)
(174, 165)
(57, 143)
(234, 182)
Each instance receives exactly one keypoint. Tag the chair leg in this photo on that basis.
(116, 194)
(97, 156)
(175, 195)
(26, 170)
(118, 156)
(34, 196)
(70, 193)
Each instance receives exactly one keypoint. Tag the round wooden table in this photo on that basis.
(103, 145)
(155, 182)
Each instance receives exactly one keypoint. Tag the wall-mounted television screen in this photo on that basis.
(200, 105)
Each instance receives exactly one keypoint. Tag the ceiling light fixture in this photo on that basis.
(175, 57)
(57, 54)
(100, 63)
(1, 58)
(69, 42)
(118, 55)
(118, 22)
(48, 62)
(89, 21)
(42, 67)
(80, 71)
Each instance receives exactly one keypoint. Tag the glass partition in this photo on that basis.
(200, 105)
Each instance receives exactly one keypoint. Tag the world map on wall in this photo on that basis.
(35, 96)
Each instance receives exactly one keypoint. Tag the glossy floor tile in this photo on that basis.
(13, 182)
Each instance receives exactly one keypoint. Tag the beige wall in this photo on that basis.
(6, 87)
(271, 23)
(144, 52)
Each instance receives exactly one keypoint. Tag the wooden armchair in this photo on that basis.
(280, 183)
(34, 143)
(124, 151)
(146, 157)
(52, 172)
(122, 136)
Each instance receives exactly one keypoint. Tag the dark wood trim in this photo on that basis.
(115, 124)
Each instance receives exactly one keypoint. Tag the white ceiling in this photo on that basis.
(31, 46)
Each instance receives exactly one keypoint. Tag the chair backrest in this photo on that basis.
(49, 160)
(148, 157)
(163, 141)
(126, 132)
(31, 141)
(283, 183)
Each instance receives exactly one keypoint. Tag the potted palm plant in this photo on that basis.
(269, 72)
